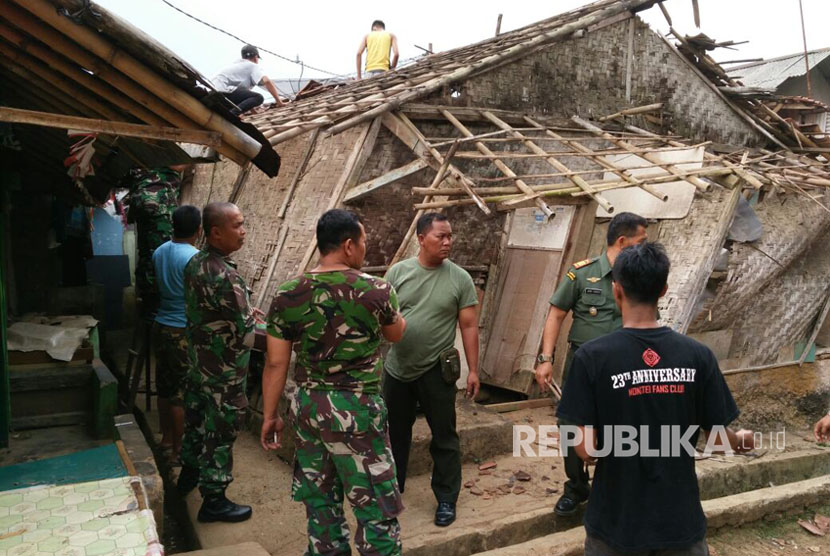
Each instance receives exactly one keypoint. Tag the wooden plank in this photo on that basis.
(629, 63)
(271, 266)
(241, 178)
(49, 378)
(825, 309)
(140, 131)
(52, 420)
(367, 187)
(507, 407)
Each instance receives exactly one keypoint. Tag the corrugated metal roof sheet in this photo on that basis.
(771, 73)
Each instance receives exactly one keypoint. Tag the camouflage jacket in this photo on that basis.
(152, 199)
(334, 319)
(219, 320)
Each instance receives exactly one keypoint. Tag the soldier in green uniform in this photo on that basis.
(220, 331)
(335, 317)
(586, 290)
(151, 201)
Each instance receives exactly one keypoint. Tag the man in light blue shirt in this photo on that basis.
(169, 338)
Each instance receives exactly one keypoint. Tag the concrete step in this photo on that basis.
(242, 549)
(735, 510)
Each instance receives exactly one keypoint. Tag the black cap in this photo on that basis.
(249, 51)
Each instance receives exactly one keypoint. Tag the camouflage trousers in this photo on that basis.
(170, 346)
(342, 450)
(214, 414)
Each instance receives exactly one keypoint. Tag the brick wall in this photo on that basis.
(587, 77)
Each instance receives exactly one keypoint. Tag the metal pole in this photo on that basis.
(806, 60)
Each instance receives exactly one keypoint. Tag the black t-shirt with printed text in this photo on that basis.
(654, 377)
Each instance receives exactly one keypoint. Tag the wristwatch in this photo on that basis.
(542, 358)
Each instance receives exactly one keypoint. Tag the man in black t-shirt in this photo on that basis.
(639, 397)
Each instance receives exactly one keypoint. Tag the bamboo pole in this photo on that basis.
(200, 137)
(101, 69)
(599, 159)
(79, 76)
(576, 180)
(16, 58)
(503, 168)
(472, 155)
(403, 128)
(743, 174)
(137, 71)
(559, 189)
(271, 266)
(510, 53)
(436, 181)
(701, 185)
(299, 175)
(822, 315)
(633, 111)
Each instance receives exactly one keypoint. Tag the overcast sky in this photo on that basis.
(325, 33)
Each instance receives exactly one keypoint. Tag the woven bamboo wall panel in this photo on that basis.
(783, 312)
(587, 77)
(791, 224)
(690, 243)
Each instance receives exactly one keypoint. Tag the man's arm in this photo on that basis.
(822, 429)
(468, 322)
(394, 332)
(553, 324)
(273, 385)
(360, 50)
(587, 441)
(740, 441)
(394, 61)
(269, 85)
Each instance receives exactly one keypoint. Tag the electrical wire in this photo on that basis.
(280, 56)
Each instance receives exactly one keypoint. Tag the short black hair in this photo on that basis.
(249, 51)
(642, 271)
(425, 222)
(186, 220)
(625, 224)
(335, 227)
(213, 215)
(379, 23)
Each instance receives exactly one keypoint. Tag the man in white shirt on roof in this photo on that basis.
(237, 80)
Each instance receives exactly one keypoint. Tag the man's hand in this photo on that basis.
(822, 429)
(745, 441)
(544, 375)
(258, 315)
(473, 385)
(271, 435)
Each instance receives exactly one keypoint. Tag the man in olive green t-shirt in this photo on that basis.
(435, 296)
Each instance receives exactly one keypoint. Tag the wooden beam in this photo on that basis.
(632, 111)
(367, 187)
(506, 407)
(503, 168)
(629, 62)
(124, 129)
(576, 180)
(239, 184)
(825, 309)
(269, 275)
(312, 142)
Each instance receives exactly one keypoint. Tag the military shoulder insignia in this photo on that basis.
(571, 275)
(586, 262)
(593, 279)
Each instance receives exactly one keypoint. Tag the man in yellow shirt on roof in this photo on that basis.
(377, 45)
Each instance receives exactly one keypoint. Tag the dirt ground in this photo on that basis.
(783, 536)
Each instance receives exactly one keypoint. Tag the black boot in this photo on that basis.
(216, 507)
(188, 480)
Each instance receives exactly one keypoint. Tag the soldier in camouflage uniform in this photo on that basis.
(220, 325)
(336, 316)
(586, 291)
(152, 199)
